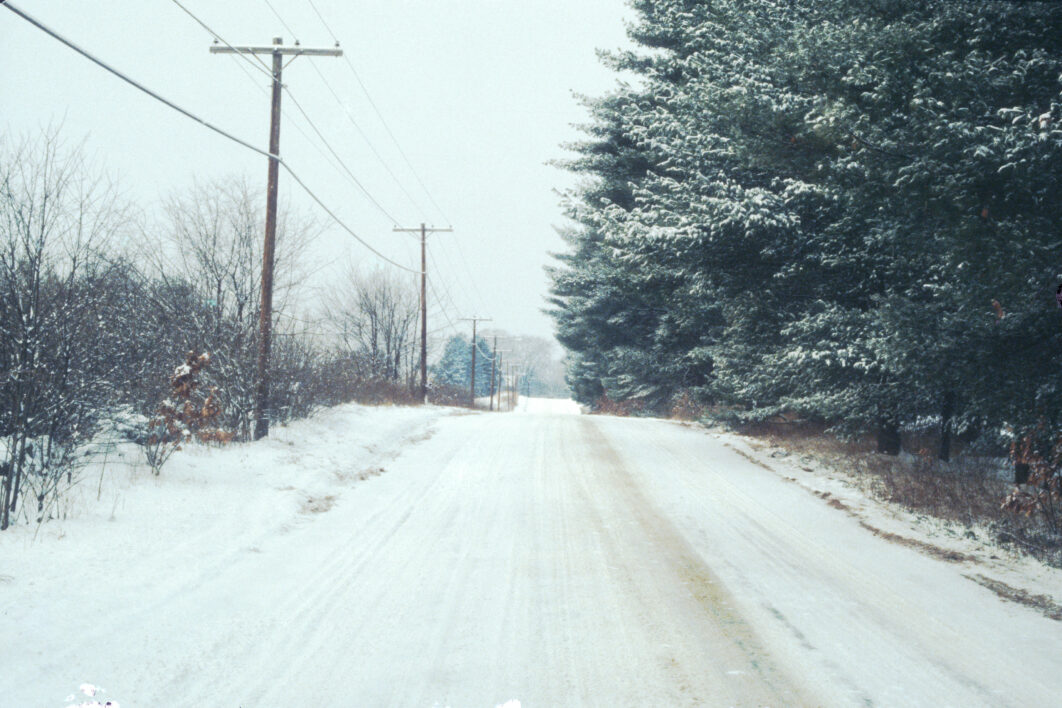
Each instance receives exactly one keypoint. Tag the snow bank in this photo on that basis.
(121, 526)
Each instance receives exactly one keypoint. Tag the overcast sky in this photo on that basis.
(477, 92)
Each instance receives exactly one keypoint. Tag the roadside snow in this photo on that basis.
(973, 551)
(551, 559)
(152, 536)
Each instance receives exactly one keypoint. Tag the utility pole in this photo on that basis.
(265, 315)
(424, 231)
(474, 321)
(501, 378)
(496, 374)
(493, 364)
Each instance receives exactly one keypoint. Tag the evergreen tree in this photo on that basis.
(455, 366)
(815, 206)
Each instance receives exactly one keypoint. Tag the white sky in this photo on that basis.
(478, 93)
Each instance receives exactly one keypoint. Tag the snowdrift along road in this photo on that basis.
(555, 559)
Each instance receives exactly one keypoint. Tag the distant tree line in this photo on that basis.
(98, 307)
(843, 209)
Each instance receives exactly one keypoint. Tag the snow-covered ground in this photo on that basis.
(556, 406)
(425, 557)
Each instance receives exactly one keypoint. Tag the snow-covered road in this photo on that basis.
(555, 559)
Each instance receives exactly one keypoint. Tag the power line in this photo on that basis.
(286, 26)
(446, 315)
(446, 288)
(188, 114)
(251, 58)
(463, 261)
(383, 121)
(302, 131)
(248, 56)
(322, 19)
(313, 126)
(346, 169)
(468, 271)
(350, 117)
(341, 224)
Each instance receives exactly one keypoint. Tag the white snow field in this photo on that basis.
(540, 557)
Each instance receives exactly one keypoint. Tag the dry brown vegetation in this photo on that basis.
(969, 490)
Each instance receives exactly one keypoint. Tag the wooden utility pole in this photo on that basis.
(265, 315)
(424, 231)
(495, 374)
(509, 386)
(501, 378)
(474, 321)
(493, 363)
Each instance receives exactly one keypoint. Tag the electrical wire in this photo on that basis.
(132, 82)
(383, 121)
(445, 287)
(468, 271)
(321, 136)
(250, 57)
(244, 55)
(379, 157)
(479, 300)
(439, 300)
(346, 169)
(288, 116)
(277, 15)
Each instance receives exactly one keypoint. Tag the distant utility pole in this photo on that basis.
(424, 231)
(495, 374)
(493, 363)
(474, 321)
(501, 378)
(265, 316)
(509, 386)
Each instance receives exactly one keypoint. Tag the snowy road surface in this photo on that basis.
(559, 560)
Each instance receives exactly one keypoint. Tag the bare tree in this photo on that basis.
(56, 219)
(212, 248)
(373, 318)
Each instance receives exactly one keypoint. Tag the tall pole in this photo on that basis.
(474, 347)
(501, 378)
(474, 321)
(424, 231)
(423, 314)
(498, 372)
(265, 313)
(493, 364)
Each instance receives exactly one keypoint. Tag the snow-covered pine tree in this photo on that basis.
(813, 206)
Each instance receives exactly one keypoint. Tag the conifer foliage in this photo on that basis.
(847, 210)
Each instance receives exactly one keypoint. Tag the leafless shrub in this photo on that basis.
(447, 395)
(55, 222)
